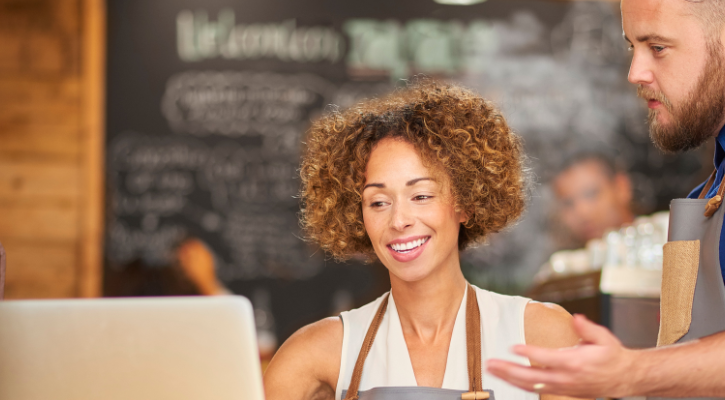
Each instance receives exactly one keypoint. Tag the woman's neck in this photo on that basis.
(428, 308)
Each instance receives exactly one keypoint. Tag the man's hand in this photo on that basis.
(598, 367)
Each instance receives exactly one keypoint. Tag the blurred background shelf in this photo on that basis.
(634, 320)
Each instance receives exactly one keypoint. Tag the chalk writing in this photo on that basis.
(241, 103)
(240, 196)
(418, 46)
(199, 38)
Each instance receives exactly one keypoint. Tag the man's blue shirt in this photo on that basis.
(720, 165)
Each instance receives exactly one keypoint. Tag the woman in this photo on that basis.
(411, 180)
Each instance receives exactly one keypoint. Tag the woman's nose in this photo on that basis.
(402, 217)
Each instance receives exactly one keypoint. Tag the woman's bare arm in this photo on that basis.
(307, 365)
(548, 326)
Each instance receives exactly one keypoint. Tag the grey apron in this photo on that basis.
(692, 304)
(473, 348)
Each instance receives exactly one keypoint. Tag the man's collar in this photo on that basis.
(720, 148)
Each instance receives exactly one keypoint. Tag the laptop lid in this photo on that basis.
(138, 348)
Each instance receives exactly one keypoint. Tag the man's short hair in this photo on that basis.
(712, 12)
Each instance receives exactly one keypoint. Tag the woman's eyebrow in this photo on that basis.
(416, 180)
(377, 185)
(409, 183)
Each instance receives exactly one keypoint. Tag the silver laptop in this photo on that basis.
(179, 348)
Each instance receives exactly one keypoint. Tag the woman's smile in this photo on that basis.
(408, 249)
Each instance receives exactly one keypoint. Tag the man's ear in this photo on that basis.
(623, 185)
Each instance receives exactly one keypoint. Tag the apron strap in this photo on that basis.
(473, 342)
(473, 347)
(714, 204)
(708, 185)
(367, 345)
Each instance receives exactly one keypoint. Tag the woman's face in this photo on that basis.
(408, 214)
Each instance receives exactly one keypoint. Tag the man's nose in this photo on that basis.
(584, 209)
(640, 71)
(402, 217)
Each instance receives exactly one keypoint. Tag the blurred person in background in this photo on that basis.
(411, 180)
(192, 271)
(592, 196)
(678, 65)
(197, 262)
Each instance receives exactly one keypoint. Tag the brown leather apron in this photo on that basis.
(692, 304)
(473, 347)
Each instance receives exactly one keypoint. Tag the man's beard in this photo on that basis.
(700, 114)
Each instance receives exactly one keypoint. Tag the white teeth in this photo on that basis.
(408, 246)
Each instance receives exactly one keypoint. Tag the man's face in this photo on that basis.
(590, 201)
(679, 69)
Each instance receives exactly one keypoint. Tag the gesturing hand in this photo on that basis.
(598, 367)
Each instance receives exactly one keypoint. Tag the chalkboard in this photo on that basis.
(208, 103)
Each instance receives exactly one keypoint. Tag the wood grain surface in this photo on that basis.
(51, 134)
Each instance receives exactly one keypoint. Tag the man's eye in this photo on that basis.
(591, 194)
(630, 48)
(658, 49)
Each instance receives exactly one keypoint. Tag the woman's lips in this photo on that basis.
(409, 255)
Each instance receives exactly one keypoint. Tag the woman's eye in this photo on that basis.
(376, 204)
(422, 197)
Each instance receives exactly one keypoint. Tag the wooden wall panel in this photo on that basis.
(27, 180)
(42, 37)
(51, 221)
(51, 135)
(9, 60)
(92, 148)
(43, 113)
(53, 261)
(34, 140)
(29, 91)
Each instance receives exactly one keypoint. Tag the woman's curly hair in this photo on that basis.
(456, 132)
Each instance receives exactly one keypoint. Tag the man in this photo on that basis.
(679, 66)
(592, 196)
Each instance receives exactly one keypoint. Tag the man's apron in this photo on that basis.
(473, 348)
(692, 304)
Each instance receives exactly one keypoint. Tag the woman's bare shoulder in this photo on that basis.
(321, 333)
(308, 363)
(548, 325)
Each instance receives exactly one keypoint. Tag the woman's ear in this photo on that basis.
(463, 215)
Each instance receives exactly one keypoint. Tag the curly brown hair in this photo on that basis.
(456, 131)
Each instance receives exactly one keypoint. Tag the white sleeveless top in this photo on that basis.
(388, 363)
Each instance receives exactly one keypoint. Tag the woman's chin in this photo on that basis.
(410, 273)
